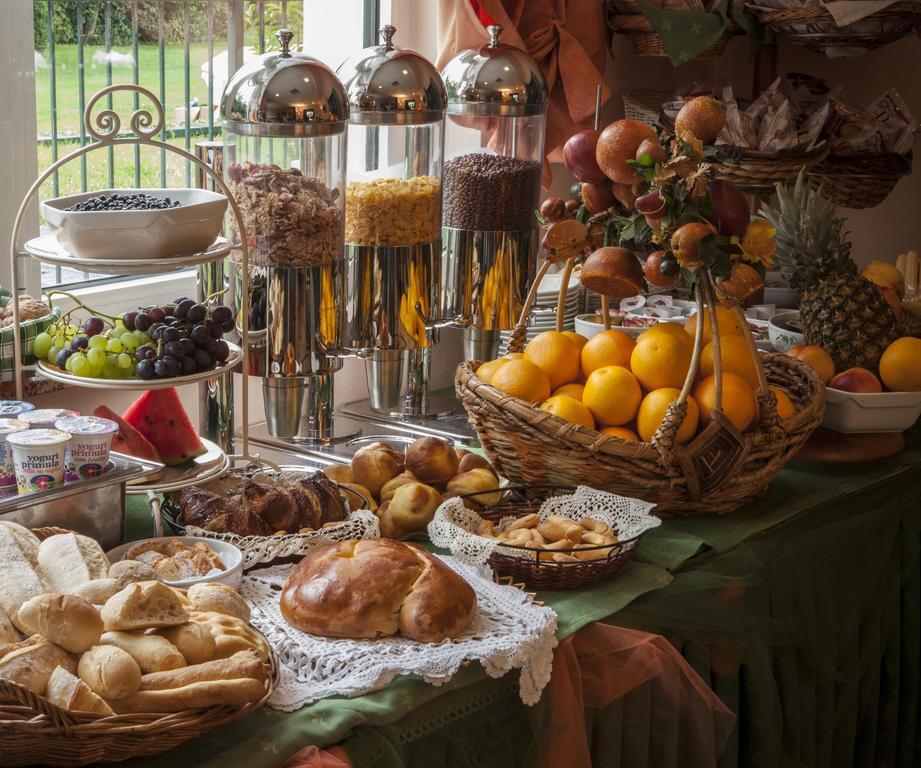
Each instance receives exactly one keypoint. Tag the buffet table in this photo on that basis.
(774, 603)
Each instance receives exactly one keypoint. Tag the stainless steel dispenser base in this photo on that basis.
(481, 345)
(452, 424)
(300, 411)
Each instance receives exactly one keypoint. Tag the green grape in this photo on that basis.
(115, 345)
(41, 344)
(124, 361)
(142, 337)
(70, 331)
(97, 357)
(130, 341)
(119, 324)
(53, 353)
(69, 365)
(111, 370)
(81, 366)
(58, 340)
(98, 342)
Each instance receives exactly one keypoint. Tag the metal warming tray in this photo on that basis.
(93, 507)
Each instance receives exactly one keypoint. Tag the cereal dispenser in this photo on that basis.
(494, 144)
(393, 221)
(285, 117)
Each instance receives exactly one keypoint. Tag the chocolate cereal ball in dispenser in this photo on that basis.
(285, 118)
(494, 145)
(393, 220)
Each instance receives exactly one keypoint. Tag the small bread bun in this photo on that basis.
(472, 461)
(432, 460)
(477, 479)
(390, 487)
(109, 671)
(409, 511)
(218, 598)
(127, 572)
(67, 620)
(339, 473)
(193, 641)
(373, 469)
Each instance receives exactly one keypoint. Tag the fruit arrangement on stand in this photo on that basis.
(157, 342)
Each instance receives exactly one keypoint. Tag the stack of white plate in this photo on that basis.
(544, 319)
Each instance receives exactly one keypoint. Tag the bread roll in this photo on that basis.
(127, 572)
(409, 511)
(358, 496)
(8, 633)
(231, 635)
(109, 671)
(143, 605)
(70, 560)
(151, 652)
(471, 460)
(339, 473)
(67, 620)
(218, 598)
(212, 693)
(32, 662)
(240, 664)
(194, 641)
(69, 692)
(432, 460)
(98, 591)
(374, 468)
(477, 481)
(20, 576)
(391, 486)
(368, 589)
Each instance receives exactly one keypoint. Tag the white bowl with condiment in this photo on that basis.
(231, 557)
(138, 234)
(782, 331)
(591, 324)
(867, 412)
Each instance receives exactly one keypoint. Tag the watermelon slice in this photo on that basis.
(159, 416)
(128, 439)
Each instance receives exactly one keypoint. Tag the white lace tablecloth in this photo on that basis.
(509, 632)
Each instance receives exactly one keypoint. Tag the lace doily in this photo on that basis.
(455, 527)
(361, 524)
(508, 632)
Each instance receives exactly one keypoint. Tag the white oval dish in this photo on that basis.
(858, 412)
(230, 555)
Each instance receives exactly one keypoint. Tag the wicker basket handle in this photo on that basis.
(520, 331)
(710, 298)
(39, 704)
(564, 289)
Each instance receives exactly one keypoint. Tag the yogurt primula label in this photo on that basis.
(10, 409)
(46, 417)
(38, 458)
(90, 441)
(7, 428)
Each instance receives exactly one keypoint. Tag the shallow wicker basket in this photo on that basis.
(33, 731)
(860, 182)
(814, 27)
(755, 171)
(718, 471)
(645, 41)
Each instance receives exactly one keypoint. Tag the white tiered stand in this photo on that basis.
(105, 129)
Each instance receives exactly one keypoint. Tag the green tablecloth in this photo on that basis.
(802, 611)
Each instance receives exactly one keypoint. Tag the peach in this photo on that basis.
(885, 275)
(815, 357)
(890, 293)
(856, 380)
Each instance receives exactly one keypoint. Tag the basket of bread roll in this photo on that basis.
(407, 483)
(271, 515)
(103, 663)
(545, 536)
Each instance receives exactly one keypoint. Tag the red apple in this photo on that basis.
(856, 380)
(652, 206)
(653, 271)
(731, 212)
(579, 157)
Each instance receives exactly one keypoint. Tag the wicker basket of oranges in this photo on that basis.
(689, 416)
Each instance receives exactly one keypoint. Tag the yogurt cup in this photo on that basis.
(38, 458)
(90, 442)
(7, 428)
(45, 418)
(11, 409)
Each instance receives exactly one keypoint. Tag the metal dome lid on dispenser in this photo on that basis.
(497, 114)
(397, 104)
(285, 116)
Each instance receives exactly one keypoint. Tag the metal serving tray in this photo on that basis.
(93, 507)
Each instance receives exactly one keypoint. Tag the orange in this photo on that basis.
(736, 358)
(672, 329)
(556, 355)
(617, 144)
(652, 412)
(521, 378)
(576, 338)
(900, 365)
(660, 360)
(727, 321)
(610, 347)
(622, 432)
(488, 370)
(612, 394)
(815, 357)
(570, 390)
(514, 356)
(738, 400)
(569, 409)
(785, 407)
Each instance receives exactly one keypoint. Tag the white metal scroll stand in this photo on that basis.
(105, 129)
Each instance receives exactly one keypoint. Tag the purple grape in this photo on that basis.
(187, 346)
(142, 321)
(171, 320)
(214, 329)
(146, 369)
(203, 360)
(178, 301)
(189, 366)
(222, 315)
(61, 360)
(93, 325)
(79, 342)
(129, 319)
(157, 315)
(196, 313)
(182, 308)
(166, 367)
(169, 334)
(222, 351)
(200, 335)
(174, 349)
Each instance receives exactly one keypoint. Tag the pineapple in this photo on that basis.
(844, 313)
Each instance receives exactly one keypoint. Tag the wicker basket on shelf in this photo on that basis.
(814, 27)
(718, 471)
(756, 171)
(860, 182)
(644, 104)
(645, 41)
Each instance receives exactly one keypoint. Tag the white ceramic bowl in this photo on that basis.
(130, 235)
(870, 411)
(229, 554)
(783, 338)
(590, 325)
